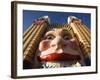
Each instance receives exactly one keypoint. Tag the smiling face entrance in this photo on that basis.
(58, 45)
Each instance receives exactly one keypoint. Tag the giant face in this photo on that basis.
(59, 45)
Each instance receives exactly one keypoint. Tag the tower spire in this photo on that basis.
(83, 35)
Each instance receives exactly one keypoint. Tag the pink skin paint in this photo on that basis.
(58, 45)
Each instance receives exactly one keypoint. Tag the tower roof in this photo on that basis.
(70, 18)
(46, 17)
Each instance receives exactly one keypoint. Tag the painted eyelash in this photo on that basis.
(50, 35)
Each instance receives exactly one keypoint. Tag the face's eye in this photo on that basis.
(66, 37)
(49, 37)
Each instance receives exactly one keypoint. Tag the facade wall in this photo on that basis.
(33, 34)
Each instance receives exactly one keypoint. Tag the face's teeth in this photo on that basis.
(60, 64)
(76, 65)
(51, 65)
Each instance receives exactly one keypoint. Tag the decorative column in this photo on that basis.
(31, 39)
(83, 34)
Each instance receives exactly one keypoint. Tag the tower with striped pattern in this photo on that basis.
(32, 37)
(82, 33)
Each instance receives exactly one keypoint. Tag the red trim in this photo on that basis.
(59, 57)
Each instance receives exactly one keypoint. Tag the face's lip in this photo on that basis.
(59, 57)
(60, 51)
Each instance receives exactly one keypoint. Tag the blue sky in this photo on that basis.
(55, 17)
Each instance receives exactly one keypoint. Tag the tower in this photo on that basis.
(83, 35)
(31, 38)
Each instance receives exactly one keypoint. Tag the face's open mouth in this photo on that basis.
(59, 57)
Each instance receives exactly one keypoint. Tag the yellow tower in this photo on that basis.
(31, 38)
(83, 35)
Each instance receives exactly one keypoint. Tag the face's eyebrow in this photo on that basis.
(65, 31)
(53, 29)
(50, 31)
(62, 32)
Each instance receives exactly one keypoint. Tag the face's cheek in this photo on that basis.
(44, 45)
(73, 44)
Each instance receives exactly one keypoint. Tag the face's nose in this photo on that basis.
(57, 42)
